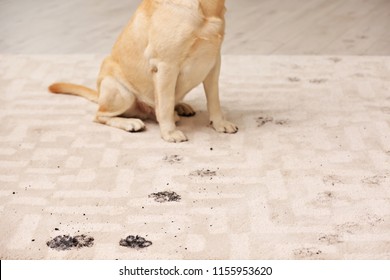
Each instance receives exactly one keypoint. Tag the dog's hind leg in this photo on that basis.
(115, 100)
(184, 110)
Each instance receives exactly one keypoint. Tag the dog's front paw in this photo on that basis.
(223, 126)
(175, 136)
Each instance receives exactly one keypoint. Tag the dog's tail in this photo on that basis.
(73, 89)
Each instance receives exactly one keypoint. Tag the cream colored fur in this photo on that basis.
(168, 48)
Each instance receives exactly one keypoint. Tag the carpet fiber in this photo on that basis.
(306, 177)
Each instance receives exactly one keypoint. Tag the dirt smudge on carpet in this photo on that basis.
(67, 242)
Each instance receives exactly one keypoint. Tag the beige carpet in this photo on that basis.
(307, 176)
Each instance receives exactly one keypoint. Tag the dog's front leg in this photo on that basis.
(211, 86)
(165, 78)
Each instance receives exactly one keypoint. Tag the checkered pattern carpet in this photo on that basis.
(306, 177)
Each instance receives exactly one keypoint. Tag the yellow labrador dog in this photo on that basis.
(168, 48)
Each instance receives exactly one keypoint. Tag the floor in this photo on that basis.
(306, 177)
(278, 27)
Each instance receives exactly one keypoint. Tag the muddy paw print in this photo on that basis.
(261, 121)
(307, 253)
(67, 242)
(325, 197)
(318, 81)
(373, 181)
(136, 242)
(173, 159)
(330, 239)
(294, 79)
(204, 173)
(166, 196)
(332, 180)
(373, 220)
(348, 227)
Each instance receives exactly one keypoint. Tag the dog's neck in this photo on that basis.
(213, 8)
